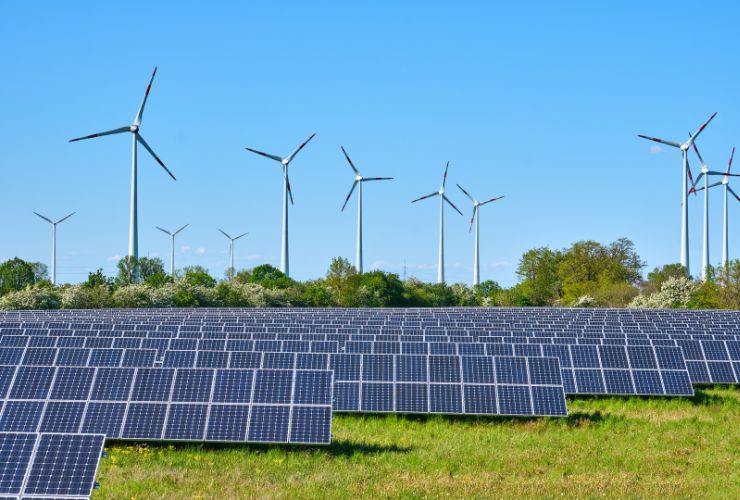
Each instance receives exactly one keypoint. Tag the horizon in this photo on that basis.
(520, 105)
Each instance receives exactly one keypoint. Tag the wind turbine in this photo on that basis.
(476, 210)
(726, 183)
(359, 179)
(172, 247)
(705, 172)
(684, 147)
(285, 162)
(54, 243)
(442, 199)
(136, 138)
(231, 246)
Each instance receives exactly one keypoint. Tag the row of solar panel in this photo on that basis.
(341, 337)
(388, 329)
(570, 356)
(49, 465)
(416, 384)
(292, 406)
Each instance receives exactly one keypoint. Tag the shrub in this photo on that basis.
(32, 297)
(85, 297)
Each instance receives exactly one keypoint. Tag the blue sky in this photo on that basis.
(537, 101)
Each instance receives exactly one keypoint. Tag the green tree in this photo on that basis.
(342, 280)
(269, 277)
(197, 276)
(380, 289)
(145, 267)
(16, 274)
(657, 276)
(541, 284)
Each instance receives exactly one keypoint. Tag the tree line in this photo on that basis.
(585, 274)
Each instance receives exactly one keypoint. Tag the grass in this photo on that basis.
(607, 447)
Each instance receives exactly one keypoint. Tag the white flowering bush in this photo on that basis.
(32, 297)
(133, 296)
(82, 297)
(675, 292)
(585, 301)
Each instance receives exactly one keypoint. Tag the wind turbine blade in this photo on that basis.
(352, 190)
(451, 204)
(45, 218)
(466, 194)
(101, 134)
(164, 231)
(65, 218)
(696, 150)
(718, 183)
(694, 183)
(266, 155)
(701, 129)
(662, 141)
(425, 197)
(376, 179)
(444, 177)
(224, 233)
(354, 169)
(475, 211)
(287, 183)
(724, 174)
(151, 152)
(290, 158)
(140, 114)
(243, 234)
(492, 199)
(183, 227)
(733, 193)
(729, 164)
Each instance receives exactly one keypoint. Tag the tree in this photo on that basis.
(380, 289)
(17, 274)
(197, 275)
(97, 279)
(269, 277)
(146, 268)
(657, 276)
(538, 270)
(341, 278)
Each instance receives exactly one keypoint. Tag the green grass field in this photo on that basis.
(607, 447)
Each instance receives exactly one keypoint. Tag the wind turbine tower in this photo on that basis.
(359, 179)
(442, 199)
(54, 243)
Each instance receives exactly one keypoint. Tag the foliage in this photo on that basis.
(197, 276)
(16, 274)
(146, 268)
(31, 297)
(675, 292)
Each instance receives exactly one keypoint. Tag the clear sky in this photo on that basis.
(537, 101)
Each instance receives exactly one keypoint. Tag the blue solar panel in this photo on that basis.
(186, 422)
(64, 465)
(16, 450)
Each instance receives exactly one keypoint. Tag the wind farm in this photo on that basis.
(411, 251)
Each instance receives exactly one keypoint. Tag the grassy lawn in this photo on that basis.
(607, 447)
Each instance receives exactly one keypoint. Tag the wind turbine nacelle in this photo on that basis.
(134, 128)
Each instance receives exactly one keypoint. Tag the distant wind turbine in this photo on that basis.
(172, 247)
(359, 179)
(136, 138)
(54, 243)
(705, 172)
(684, 147)
(231, 246)
(285, 162)
(442, 199)
(726, 183)
(476, 212)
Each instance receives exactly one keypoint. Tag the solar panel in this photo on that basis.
(172, 404)
(64, 465)
(49, 465)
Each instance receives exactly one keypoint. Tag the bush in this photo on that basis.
(675, 292)
(32, 297)
(85, 297)
(132, 296)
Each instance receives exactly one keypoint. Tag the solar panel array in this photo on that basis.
(274, 406)
(276, 375)
(49, 465)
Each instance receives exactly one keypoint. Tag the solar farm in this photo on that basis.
(248, 378)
